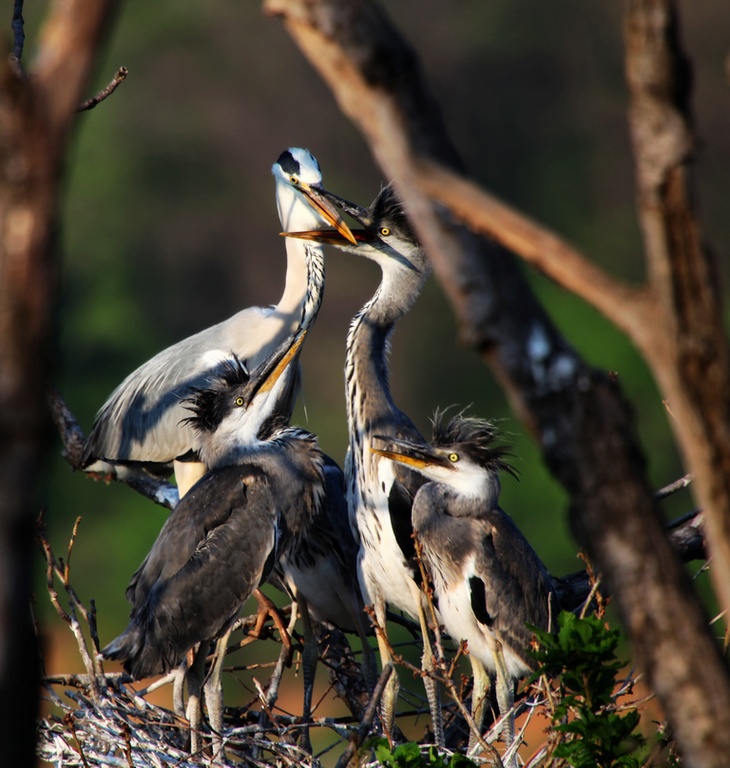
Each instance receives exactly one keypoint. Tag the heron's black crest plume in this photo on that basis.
(387, 209)
(289, 164)
(210, 404)
(474, 437)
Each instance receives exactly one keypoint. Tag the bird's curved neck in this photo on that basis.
(370, 404)
(368, 380)
(304, 285)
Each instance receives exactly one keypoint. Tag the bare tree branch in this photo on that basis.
(584, 425)
(621, 304)
(688, 348)
(153, 488)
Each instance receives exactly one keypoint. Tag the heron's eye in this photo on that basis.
(453, 457)
(385, 231)
(239, 401)
(294, 179)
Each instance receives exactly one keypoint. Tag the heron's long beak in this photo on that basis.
(270, 371)
(412, 454)
(332, 236)
(319, 201)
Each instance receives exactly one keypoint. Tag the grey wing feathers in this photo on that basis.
(512, 582)
(217, 546)
(141, 420)
(324, 564)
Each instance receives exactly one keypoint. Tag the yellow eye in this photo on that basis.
(453, 457)
(385, 231)
(294, 179)
(239, 401)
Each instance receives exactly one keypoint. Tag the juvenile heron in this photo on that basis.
(380, 492)
(224, 537)
(488, 581)
(143, 421)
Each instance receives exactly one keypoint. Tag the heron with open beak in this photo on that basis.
(264, 486)
(143, 424)
(380, 492)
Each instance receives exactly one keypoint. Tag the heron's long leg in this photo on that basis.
(195, 677)
(178, 698)
(428, 665)
(310, 655)
(369, 668)
(505, 702)
(479, 692)
(214, 694)
(390, 694)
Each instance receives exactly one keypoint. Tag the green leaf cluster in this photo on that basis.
(581, 656)
(409, 755)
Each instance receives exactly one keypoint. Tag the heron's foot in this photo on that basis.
(106, 477)
(434, 705)
(387, 708)
(267, 608)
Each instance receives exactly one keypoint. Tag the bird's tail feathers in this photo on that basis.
(139, 658)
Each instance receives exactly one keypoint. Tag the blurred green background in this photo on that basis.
(169, 223)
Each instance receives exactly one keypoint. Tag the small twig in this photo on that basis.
(69, 721)
(69, 550)
(53, 568)
(82, 681)
(668, 490)
(18, 26)
(127, 736)
(104, 93)
(367, 719)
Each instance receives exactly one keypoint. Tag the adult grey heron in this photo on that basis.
(143, 421)
(380, 492)
(488, 581)
(222, 540)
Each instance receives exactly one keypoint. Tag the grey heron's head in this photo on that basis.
(462, 454)
(300, 199)
(232, 411)
(386, 237)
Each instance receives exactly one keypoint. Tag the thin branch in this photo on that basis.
(668, 490)
(623, 305)
(367, 719)
(18, 26)
(161, 492)
(105, 92)
(54, 568)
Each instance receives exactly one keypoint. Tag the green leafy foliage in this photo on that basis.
(581, 658)
(409, 755)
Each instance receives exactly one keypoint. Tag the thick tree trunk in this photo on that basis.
(36, 114)
(688, 349)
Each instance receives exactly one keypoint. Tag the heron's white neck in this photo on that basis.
(305, 260)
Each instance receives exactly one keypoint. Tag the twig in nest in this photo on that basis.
(367, 719)
(54, 568)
